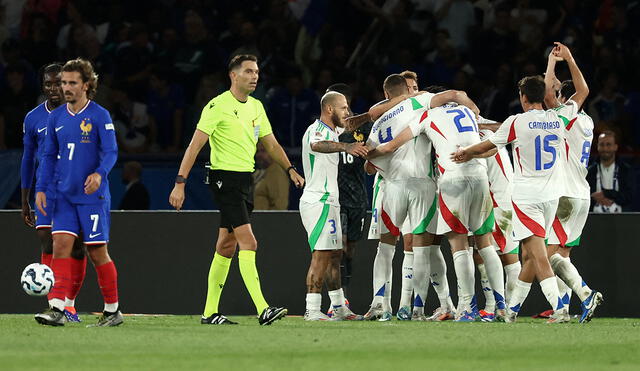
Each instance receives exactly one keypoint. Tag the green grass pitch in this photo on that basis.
(181, 343)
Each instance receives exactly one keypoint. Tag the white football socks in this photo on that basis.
(565, 292)
(438, 268)
(512, 272)
(569, 274)
(493, 267)
(337, 298)
(520, 292)
(489, 299)
(313, 302)
(549, 288)
(420, 277)
(382, 272)
(466, 280)
(407, 279)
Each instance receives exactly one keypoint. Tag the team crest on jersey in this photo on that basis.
(358, 136)
(85, 126)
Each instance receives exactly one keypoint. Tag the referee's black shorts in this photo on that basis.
(233, 192)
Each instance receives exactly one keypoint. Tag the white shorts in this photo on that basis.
(503, 232)
(322, 222)
(376, 227)
(569, 221)
(465, 206)
(533, 219)
(413, 199)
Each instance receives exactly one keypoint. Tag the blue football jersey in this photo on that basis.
(35, 130)
(77, 145)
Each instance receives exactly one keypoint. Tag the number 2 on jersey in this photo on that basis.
(460, 116)
(546, 145)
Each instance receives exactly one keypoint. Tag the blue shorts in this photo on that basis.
(93, 220)
(44, 221)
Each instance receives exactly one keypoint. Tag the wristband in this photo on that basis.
(181, 180)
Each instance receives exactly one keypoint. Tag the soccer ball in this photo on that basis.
(37, 279)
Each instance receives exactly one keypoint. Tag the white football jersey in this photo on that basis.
(411, 160)
(539, 155)
(320, 169)
(449, 127)
(500, 173)
(578, 135)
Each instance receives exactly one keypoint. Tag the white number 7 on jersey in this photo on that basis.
(71, 147)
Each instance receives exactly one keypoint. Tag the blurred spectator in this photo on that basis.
(17, 99)
(77, 37)
(136, 130)
(134, 59)
(39, 47)
(457, 17)
(166, 103)
(607, 106)
(610, 179)
(136, 196)
(197, 54)
(291, 109)
(271, 183)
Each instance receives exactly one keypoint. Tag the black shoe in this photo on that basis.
(271, 314)
(216, 319)
(109, 319)
(51, 317)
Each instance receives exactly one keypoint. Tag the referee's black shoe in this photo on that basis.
(271, 314)
(217, 319)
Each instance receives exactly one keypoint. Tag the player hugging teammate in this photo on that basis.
(480, 193)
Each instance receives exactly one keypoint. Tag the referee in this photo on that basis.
(234, 122)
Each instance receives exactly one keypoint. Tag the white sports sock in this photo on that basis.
(337, 298)
(512, 272)
(489, 299)
(69, 302)
(313, 302)
(57, 303)
(520, 292)
(407, 279)
(111, 307)
(382, 272)
(438, 268)
(420, 277)
(549, 288)
(465, 276)
(565, 292)
(495, 276)
(569, 274)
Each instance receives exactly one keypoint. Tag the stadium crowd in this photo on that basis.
(160, 61)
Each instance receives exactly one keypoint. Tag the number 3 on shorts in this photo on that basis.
(94, 219)
(333, 226)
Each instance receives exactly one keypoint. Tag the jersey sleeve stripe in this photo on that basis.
(499, 161)
(518, 155)
(425, 114)
(512, 132)
(560, 232)
(531, 224)
(570, 125)
(454, 223)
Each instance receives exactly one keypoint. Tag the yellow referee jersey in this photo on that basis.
(234, 128)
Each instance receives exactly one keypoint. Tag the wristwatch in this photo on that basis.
(181, 180)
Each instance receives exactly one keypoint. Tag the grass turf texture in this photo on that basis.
(180, 342)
